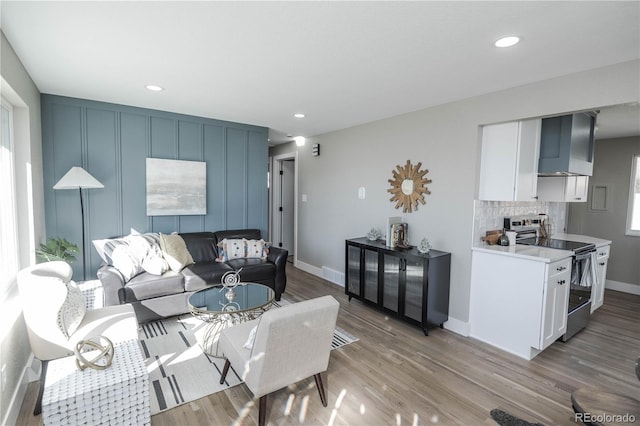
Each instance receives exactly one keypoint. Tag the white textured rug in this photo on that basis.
(179, 372)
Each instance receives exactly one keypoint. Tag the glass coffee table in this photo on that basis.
(221, 307)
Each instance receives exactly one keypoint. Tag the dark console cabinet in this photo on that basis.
(411, 285)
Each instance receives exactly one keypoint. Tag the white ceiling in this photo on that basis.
(340, 63)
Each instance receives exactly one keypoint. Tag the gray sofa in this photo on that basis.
(160, 296)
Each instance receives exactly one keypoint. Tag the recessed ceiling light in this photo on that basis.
(298, 115)
(154, 88)
(507, 41)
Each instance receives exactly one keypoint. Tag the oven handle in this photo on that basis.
(584, 255)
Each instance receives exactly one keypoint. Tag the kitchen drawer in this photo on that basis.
(558, 268)
(603, 251)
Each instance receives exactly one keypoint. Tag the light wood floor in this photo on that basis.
(394, 375)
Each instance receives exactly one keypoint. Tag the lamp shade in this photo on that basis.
(77, 177)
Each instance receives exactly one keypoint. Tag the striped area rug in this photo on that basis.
(179, 372)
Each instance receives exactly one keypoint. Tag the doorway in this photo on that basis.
(283, 210)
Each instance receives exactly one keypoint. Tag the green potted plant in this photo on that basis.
(57, 249)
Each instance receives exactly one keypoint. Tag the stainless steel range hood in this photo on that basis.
(566, 145)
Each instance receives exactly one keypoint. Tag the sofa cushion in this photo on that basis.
(175, 251)
(230, 249)
(254, 270)
(249, 234)
(204, 274)
(133, 254)
(201, 245)
(147, 286)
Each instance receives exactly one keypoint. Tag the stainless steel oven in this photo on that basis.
(582, 278)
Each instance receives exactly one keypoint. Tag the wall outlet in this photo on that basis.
(3, 373)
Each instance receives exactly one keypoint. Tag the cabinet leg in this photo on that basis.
(349, 298)
(426, 331)
(442, 326)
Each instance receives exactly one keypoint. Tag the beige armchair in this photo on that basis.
(290, 344)
(43, 290)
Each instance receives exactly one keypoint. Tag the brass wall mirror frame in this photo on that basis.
(408, 186)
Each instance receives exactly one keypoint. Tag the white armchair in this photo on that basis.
(290, 344)
(43, 290)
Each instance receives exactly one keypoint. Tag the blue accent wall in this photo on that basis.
(112, 143)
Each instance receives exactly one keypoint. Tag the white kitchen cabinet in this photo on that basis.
(563, 188)
(509, 161)
(597, 291)
(517, 304)
(556, 302)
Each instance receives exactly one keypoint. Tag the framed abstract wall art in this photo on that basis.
(176, 187)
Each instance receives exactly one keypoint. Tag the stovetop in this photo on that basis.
(557, 244)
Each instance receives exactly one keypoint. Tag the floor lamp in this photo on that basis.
(79, 178)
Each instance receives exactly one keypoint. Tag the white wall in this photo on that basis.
(446, 140)
(18, 88)
(612, 168)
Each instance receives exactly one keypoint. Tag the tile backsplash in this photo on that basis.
(488, 215)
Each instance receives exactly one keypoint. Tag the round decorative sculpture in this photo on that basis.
(408, 186)
(424, 246)
(229, 281)
(101, 350)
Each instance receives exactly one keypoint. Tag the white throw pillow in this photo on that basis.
(256, 249)
(126, 261)
(154, 263)
(175, 252)
(72, 311)
(252, 338)
(145, 248)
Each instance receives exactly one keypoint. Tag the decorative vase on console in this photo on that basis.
(424, 246)
(373, 235)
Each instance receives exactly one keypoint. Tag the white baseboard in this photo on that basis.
(17, 398)
(333, 276)
(457, 326)
(623, 287)
(313, 270)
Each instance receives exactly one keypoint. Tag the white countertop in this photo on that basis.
(542, 254)
(599, 242)
(539, 254)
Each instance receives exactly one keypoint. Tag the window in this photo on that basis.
(8, 226)
(633, 212)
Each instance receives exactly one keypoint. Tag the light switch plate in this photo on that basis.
(361, 192)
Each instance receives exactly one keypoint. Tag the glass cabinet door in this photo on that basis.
(414, 286)
(391, 282)
(353, 271)
(371, 275)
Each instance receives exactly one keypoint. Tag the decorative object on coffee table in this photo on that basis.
(408, 186)
(230, 281)
(101, 350)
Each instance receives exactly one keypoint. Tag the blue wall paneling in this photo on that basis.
(112, 143)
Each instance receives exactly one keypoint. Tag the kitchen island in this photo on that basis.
(520, 293)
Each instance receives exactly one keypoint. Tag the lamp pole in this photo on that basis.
(77, 177)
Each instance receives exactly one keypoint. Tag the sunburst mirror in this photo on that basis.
(408, 186)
